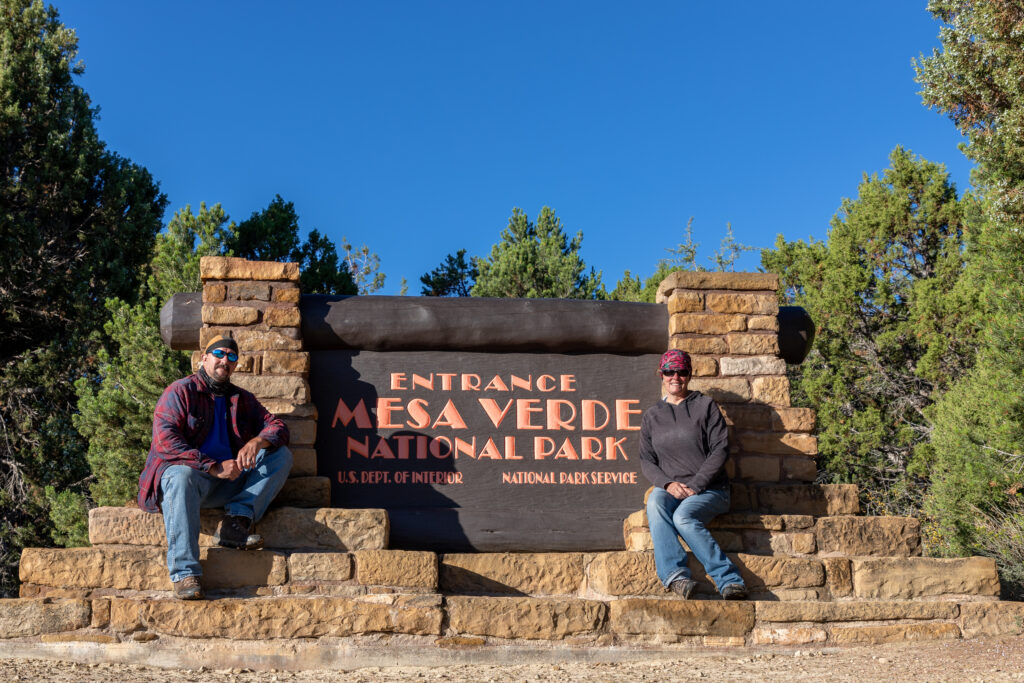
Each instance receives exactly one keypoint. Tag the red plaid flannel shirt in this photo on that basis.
(181, 423)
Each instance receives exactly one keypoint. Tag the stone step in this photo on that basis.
(430, 623)
(304, 492)
(800, 535)
(281, 528)
(818, 500)
(112, 569)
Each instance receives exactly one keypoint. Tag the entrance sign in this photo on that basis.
(486, 451)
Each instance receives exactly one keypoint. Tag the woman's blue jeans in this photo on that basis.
(185, 490)
(669, 517)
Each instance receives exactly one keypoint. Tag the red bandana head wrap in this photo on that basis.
(673, 359)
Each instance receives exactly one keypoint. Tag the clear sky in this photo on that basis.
(415, 127)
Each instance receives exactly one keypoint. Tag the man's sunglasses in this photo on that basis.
(670, 373)
(221, 353)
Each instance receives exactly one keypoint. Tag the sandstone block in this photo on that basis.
(229, 315)
(144, 567)
(770, 390)
(706, 323)
(283, 408)
(102, 638)
(303, 462)
(778, 543)
(407, 568)
(800, 635)
(319, 567)
(304, 492)
(624, 573)
(287, 387)
(822, 612)
(23, 617)
(729, 390)
(285, 362)
(252, 339)
(880, 536)
(704, 366)
(301, 431)
(680, 617)
(757, 467)
(917, 577)
(838, 576)
(779, 572)
(524, 573)
(785, 443)
(979, 619)
(100, 613)
(769, 323)
(752, 344)
(286, 617)
(697, 344)
(681, 301)
(286, 295)
(745, 302)
(285, 316)
(248, 291)
(247, 362)
(819, 500)
(793, 420)
(747, 415)
(214, 293)
(799, 468)
(894, 633)
(753, 365)
(530, 618)
(231, 268)
(685, 279)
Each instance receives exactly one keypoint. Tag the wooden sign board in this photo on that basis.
(486, 451)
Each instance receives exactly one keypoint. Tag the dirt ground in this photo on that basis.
(957, 660)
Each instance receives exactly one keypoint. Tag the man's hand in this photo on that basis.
(247, 453)
(226, 469)
(679, 491)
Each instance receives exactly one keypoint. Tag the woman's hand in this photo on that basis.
(679, 491)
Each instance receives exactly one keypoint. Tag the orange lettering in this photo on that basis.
(449, 417)
(446, 380)
(465, 447)
(403, 445)
(397, 381)
(471, 382)
(591, 448)
(539, 451)
(418, 413)
(611, 445)
(510, 449)
(545, 386)
(590, 415)
(417, 380)
(566, 452)
(622, 413)
(358, 447)
(555, 420)
(345, 415)
(496, 385)
(491, 408)
(383, 450)
(385, 406)
(435, 447)
(520, 383)
(523, 410)
(490, 450)
(567, 382)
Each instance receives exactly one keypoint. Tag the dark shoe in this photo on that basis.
(734, 591)
(236, 532)
(683, 587)
(188, 588)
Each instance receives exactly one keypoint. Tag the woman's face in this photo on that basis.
(675, 384)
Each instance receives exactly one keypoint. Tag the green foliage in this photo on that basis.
(76, 224)
(364, 266)
(977, 79)
(454, 277)
(893, 329)
(536, 261)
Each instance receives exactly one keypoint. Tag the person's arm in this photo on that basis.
(271, 431)
(716, 436)
(649, 457)
(170, 421)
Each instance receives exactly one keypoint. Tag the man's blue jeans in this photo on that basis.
(669, 517)
(185, 490)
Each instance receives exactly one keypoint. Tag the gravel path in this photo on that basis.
(958, 660)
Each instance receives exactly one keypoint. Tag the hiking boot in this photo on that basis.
(236, 532)
(683, 587)
(188, 588)
(734, 591)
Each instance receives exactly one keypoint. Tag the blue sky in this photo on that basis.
(416, 127)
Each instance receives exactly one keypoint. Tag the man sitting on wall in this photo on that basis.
(213, 446)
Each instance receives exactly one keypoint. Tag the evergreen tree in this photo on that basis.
(536, 261)
(454, 277)
(76, 224)
(977, 448)
(892, 328)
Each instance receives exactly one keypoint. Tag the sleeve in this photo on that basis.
(716, 438)
(170, 420)
(649, 457)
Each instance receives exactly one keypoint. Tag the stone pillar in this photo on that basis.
(258, 303)
(728, 323)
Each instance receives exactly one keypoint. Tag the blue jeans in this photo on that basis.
(669, 517)
(185, 490)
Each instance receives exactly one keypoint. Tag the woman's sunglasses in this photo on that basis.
(670, 373)
(221, 353)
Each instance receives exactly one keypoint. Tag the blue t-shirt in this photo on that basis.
(217, 445)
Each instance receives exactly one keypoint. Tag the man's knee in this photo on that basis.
(179, 477)
(278, 459)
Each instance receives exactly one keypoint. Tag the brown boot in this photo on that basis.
(188, 588)
(236, 532)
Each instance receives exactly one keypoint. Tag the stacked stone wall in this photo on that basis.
(728, 323)
(257, 302)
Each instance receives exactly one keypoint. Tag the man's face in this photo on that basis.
(219, 369)
(675, 384)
